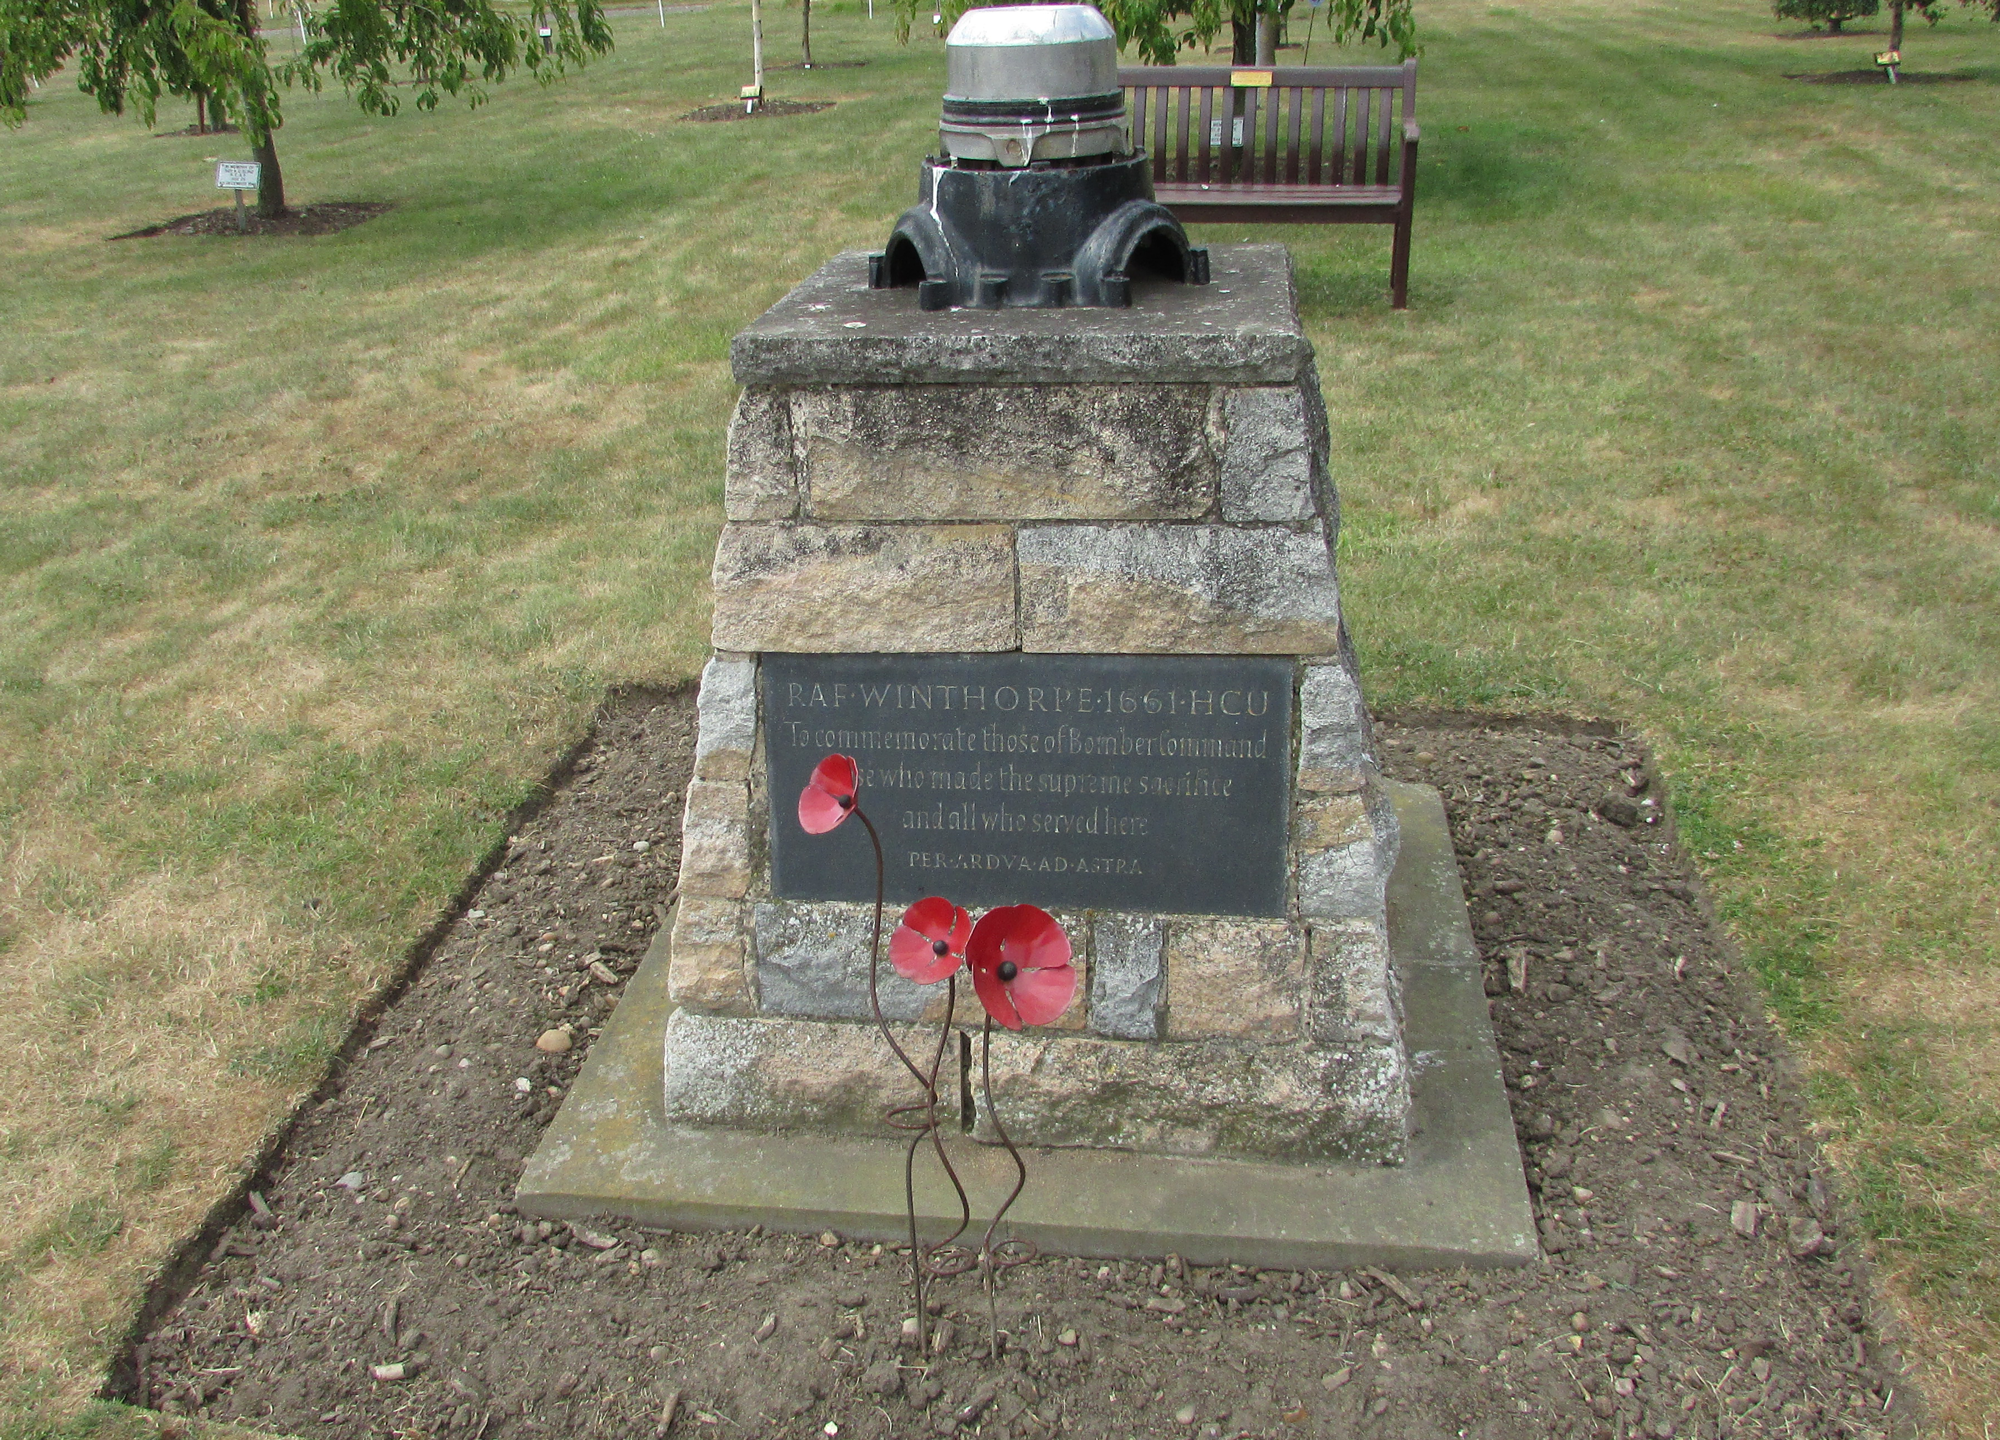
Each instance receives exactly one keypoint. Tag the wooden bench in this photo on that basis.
(1300, 140)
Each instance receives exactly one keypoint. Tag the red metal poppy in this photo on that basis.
(828, 797)
(1020, 965)
(930, 943)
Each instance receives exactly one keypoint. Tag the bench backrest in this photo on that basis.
(1276, 125)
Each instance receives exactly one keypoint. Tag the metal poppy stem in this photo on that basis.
(929, 1084)
(987, 1260)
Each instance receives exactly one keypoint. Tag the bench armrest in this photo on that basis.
(1410, 134)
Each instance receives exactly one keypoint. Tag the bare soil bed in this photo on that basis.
(769, 110)
(1878, 77)
(324, 219)
(1697, 1280)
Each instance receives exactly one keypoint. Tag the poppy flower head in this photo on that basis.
(829, 795)
(930, 943)
(1021, 969)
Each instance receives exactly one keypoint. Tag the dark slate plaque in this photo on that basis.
(1122, 782)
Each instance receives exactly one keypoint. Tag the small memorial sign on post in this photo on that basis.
(239, 175)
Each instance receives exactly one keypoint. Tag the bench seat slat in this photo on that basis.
(1259, 194)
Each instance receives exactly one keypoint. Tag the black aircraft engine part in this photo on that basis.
(1043, 235)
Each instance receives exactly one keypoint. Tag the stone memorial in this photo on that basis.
(1062, 583)
(1030, 516)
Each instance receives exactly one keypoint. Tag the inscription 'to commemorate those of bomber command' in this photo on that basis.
(1087, 781)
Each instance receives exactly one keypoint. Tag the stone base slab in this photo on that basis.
(1460, 1198)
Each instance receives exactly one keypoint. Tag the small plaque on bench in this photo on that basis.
(1126, 782)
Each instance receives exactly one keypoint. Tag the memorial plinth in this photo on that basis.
(1062, 582)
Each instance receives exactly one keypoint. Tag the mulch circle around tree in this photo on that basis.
(1876, 77)
(769, 110)
(1699, 1277)
(322, 219)
(819, 65)
(191, 133)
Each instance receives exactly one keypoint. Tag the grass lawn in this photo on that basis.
(314, 553)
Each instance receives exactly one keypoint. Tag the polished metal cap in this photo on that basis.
(1031, 52)
(1032, 82)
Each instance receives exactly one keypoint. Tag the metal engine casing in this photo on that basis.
(1038, 198)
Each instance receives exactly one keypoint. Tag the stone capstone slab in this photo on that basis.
(760, 478)
(866, 588)
(706, 969)
(1128, 971)
(1213, 1098)
(1459, 1198)
(1156, 589)
(726, 719)
(1240, 329)
(1237, 979)
(1269, 465)
(715, 839)
(1006, 452)
(812, 962)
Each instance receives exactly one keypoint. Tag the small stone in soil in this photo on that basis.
(554, 1042)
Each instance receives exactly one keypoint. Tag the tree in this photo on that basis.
(1160, 29)
(1932, 11)
(130, 52)
(1830, 13)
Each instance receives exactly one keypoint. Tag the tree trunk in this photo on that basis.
(201, 112)
(1833, 25)
(806, 32)
(270, 179)
(1242, 39)
(1267, 38)
(1895, 24)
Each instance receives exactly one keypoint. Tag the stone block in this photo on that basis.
(1005, 452)
(1165, 589)
(1352, 997)
(1210, 1098)
(1334, 749)
(1382, 819)
(812, 962)
(824, 588)
(1346, 883)
(726, 725)
(1321, 436)
(768, 1074)
(832, 329)
(1127, 975)
(760, 478)
(1230, 978)
(1268, 461)
(1325, 822)
(705, 969)
(715, 839)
